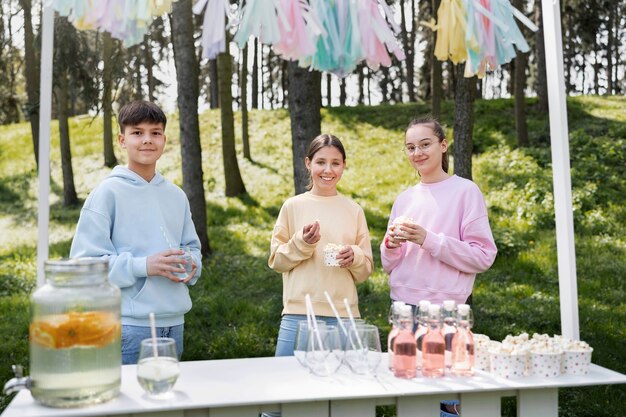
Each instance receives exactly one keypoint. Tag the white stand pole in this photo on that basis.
(45, 114)
(559, 139)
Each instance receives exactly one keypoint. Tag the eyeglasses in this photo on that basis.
(410, 149)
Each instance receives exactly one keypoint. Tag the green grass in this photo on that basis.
(237, 302)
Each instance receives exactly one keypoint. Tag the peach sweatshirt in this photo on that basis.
(342, 221)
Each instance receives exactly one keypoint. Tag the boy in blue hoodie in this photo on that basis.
(137, 220)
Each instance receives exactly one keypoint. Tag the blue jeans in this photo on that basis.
(287, 333)
(133, 335)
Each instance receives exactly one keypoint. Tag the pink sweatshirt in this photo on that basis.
(458, 243)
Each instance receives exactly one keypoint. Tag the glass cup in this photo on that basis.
(324, 354)
(187, 265)
(302, 340)
(362, 349)
(158, 374)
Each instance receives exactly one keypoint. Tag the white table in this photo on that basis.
(245, 387)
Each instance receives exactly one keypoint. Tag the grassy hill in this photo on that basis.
(237, 302)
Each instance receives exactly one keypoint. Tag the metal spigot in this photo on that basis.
(18, 383)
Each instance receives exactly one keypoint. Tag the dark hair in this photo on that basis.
(434, 124)
(320, 142)
(140, 111)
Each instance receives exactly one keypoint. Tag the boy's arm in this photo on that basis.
(93, 239)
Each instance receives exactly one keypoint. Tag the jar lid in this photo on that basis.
(77, 265)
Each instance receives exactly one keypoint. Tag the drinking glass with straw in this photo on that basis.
(323, 355)
(158, 368)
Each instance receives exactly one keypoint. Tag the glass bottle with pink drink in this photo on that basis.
(404, 347)
(394, 320)
(448, 329)
(422, 327)
(463, 343)
(434, 345)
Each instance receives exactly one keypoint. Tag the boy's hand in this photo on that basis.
(166, 263)
(191, 274)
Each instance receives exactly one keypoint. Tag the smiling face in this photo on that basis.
(326, 168)
(425, 152)
(144, 144)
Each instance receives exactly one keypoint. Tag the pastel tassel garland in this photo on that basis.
(213, 26)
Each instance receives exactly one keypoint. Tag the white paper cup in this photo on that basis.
(481, 352)
(547, 365)
(330, 255)
(576, 362)
(506, 365)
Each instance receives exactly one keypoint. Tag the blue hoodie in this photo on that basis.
(126, 219)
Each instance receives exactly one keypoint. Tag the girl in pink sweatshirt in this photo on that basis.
(441, 236)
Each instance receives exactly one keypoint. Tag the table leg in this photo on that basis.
(542, 402)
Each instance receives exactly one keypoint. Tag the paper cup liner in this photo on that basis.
(330, 257)
(481, 359)
(547, 365)
(506, 365)
(576, 362)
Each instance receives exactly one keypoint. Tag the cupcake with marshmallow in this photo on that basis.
(397, 222)
(331, 250)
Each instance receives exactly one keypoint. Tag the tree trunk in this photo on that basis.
(284, 81)
(255, 75)
(149, 62)
(463, 123)
(542, 82)
(188, 91)
(361, 69)
(436, 88)
(232, 176)
(609, 47)
(408, 41)
(342, 92)
(107, 85)
(519, 87)
(329, 90)
(519, 91)
(214, 97)
(306, 121)
(69, 191)
(31, 74)
(244, 104)
(138, 79)
(385, 83)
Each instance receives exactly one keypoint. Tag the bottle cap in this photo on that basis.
(398, 303)
(434, 309)
(448, 305)
(464, 309)
(405, 312)
(424, 304)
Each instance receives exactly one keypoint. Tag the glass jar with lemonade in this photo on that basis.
(75, 353)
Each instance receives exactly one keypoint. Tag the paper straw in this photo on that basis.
(153, 333)
(307, 298)
(166, 239)
(345, 302)
(332, 306)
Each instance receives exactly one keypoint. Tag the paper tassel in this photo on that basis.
(260, 18)
(213, 26)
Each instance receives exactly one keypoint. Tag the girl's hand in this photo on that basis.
(411, 232)
(391, 242)
(311, 232)
(345, 257)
